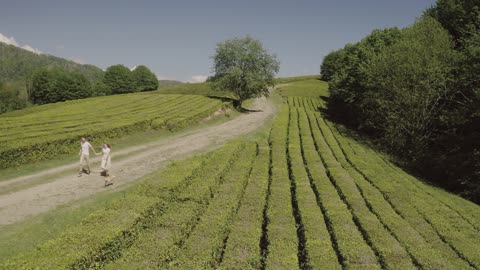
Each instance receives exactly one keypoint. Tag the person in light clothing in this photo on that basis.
(84, 153)
(106, 163)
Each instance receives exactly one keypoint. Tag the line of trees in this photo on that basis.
(54, 85)
(416, 92)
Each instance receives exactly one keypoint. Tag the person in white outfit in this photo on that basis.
(84, 153)
(106, 163)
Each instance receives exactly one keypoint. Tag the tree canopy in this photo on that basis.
(244, 67)
(416, 93)
(12, 96)
(119, 79)
(145, 79)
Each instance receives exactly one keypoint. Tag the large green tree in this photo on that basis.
(408, 85)
(245, 68)
(119, 79)
(346, 71)
(145, 79)
(42, 87)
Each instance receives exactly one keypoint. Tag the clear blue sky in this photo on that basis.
(176, 38)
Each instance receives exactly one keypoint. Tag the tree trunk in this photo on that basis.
(237, 104)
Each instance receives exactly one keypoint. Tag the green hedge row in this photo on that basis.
(281, 228)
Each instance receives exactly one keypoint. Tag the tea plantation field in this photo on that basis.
(305, 196)
(43, 132)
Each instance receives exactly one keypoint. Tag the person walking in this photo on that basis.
(84, 153)
(106, 163)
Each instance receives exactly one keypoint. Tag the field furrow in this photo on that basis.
(281, 229)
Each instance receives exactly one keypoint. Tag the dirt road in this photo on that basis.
(28, 202)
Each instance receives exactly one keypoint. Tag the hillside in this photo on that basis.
(168, 82)
(300, 195)
(17, 64)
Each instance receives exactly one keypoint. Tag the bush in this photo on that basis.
(144, 79)
(12, 96)
(119, 79)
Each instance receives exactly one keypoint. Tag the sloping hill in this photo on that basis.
(16, 64)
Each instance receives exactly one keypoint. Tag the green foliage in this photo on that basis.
(348, 82)
(12, 96)
(119, 79)
(330, 64)
(417, 94)
(50, 86)
(145, 79)
(101, 89)
(461, 18)
(413, 73)
(458, 126)
(243, 67)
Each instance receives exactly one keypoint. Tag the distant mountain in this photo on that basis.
(168, 82)
(16, 64)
